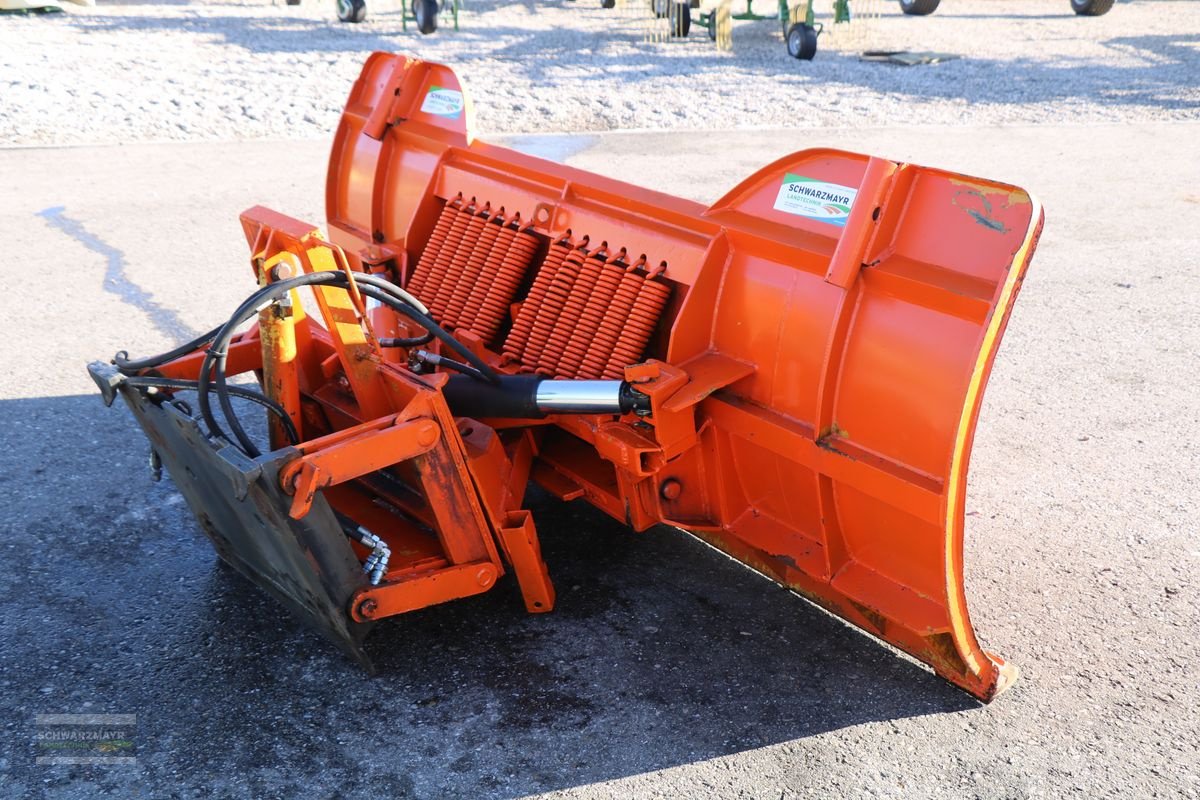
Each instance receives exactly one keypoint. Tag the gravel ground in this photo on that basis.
(125, 72)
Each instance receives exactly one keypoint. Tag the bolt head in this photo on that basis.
(367, 608)
(671, 489)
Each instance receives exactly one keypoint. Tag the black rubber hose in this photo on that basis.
(125, 364)
(466, 369)
(387, 286)
(213, 368)
(371, 285)
(489, 374)
(289, 427)
(401, 341)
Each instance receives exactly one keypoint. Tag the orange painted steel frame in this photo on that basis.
(814, 387)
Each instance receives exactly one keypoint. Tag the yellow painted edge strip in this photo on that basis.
(956, 601)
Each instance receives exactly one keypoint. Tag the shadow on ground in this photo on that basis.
(661, 652)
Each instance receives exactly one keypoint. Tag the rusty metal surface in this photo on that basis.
(306, 564)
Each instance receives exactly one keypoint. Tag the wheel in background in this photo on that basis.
(426, 13)
(802, 41)
(918, 8)
(1091, 8)
(680, 18)
(352, 10)
(661, 8)
(293, 2)
(712, 25)
(608, 3)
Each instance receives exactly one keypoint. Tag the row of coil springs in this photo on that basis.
(589, 313)
(473, 265)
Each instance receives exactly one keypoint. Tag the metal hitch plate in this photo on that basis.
(307, 564)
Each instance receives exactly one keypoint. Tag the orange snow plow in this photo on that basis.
(792, 374)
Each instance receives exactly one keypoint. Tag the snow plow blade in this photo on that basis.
(792, 374)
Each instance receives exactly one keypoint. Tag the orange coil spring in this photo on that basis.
(504, 288)
(477, 275)
(500, 237)
(583, 338)
(549, 362)
(556, 296)
(437, 240)
(452, 277)
(514, 345)
(613, 323)
(441, 262)
(643, 318)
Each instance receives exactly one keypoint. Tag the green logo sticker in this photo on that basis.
(446, 103)
(809, 197)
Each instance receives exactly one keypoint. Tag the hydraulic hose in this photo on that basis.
(435, 360)
(127, 365)
(212, 371)
(213, 368)
(289, 427)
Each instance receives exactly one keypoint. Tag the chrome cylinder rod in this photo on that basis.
(579, 397)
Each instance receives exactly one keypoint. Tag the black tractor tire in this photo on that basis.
(680, 19)
(608, 3)
(293, 2)
(426, 14)
(712, 25)
(919, 8)
(351, 10)
(802, 41)
(1091, 8)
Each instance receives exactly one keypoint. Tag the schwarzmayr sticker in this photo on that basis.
(809, 197)
(443, 102)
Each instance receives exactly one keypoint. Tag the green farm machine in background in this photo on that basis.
(800, 27)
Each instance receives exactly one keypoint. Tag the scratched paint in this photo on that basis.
(984, 216)
(1012, 195)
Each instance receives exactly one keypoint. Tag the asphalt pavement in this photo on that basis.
(666, 670)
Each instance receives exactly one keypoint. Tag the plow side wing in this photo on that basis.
(831, 323)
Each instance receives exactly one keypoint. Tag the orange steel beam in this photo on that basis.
(352, 453)
(410, 593)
